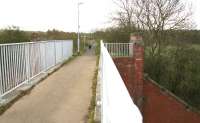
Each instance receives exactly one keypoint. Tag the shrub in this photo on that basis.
(177, 69)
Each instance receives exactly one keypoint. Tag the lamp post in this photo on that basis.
(78, 43)
(84, 41)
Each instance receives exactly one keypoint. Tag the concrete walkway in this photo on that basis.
(63, 97)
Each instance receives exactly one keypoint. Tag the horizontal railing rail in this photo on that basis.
(116, 103)
(120, 49)
(20, 62)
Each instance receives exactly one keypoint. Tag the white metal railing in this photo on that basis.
(116, 103)
(120, 49)
(20, 62)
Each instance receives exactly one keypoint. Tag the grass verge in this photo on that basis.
(91, 110)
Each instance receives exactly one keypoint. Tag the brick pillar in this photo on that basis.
(138, 60)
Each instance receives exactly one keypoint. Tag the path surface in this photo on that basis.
(63, 97)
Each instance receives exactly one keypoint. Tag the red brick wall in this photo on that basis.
(126, 67)
(158, 106)
(138, 61)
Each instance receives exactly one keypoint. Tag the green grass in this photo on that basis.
(178, 70)
(92, 106)
(91, 110)
(195, 46)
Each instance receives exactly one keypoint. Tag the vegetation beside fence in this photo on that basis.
(178, 70)
(91, 113)
(13, 34)
(91, 110)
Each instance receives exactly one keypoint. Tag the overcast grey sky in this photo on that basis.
(41, 15)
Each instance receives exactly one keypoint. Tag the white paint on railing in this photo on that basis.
(20, 62)
(120, 49)
(117, 105)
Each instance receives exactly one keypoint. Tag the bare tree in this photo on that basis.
(160, 16)
(155, 18)
(125, 14)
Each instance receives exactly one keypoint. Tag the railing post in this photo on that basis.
(55, 51)
(45, 63)
(62, 59)
(138, 58)
(1, 81)
(28, 62)
(40, 53)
